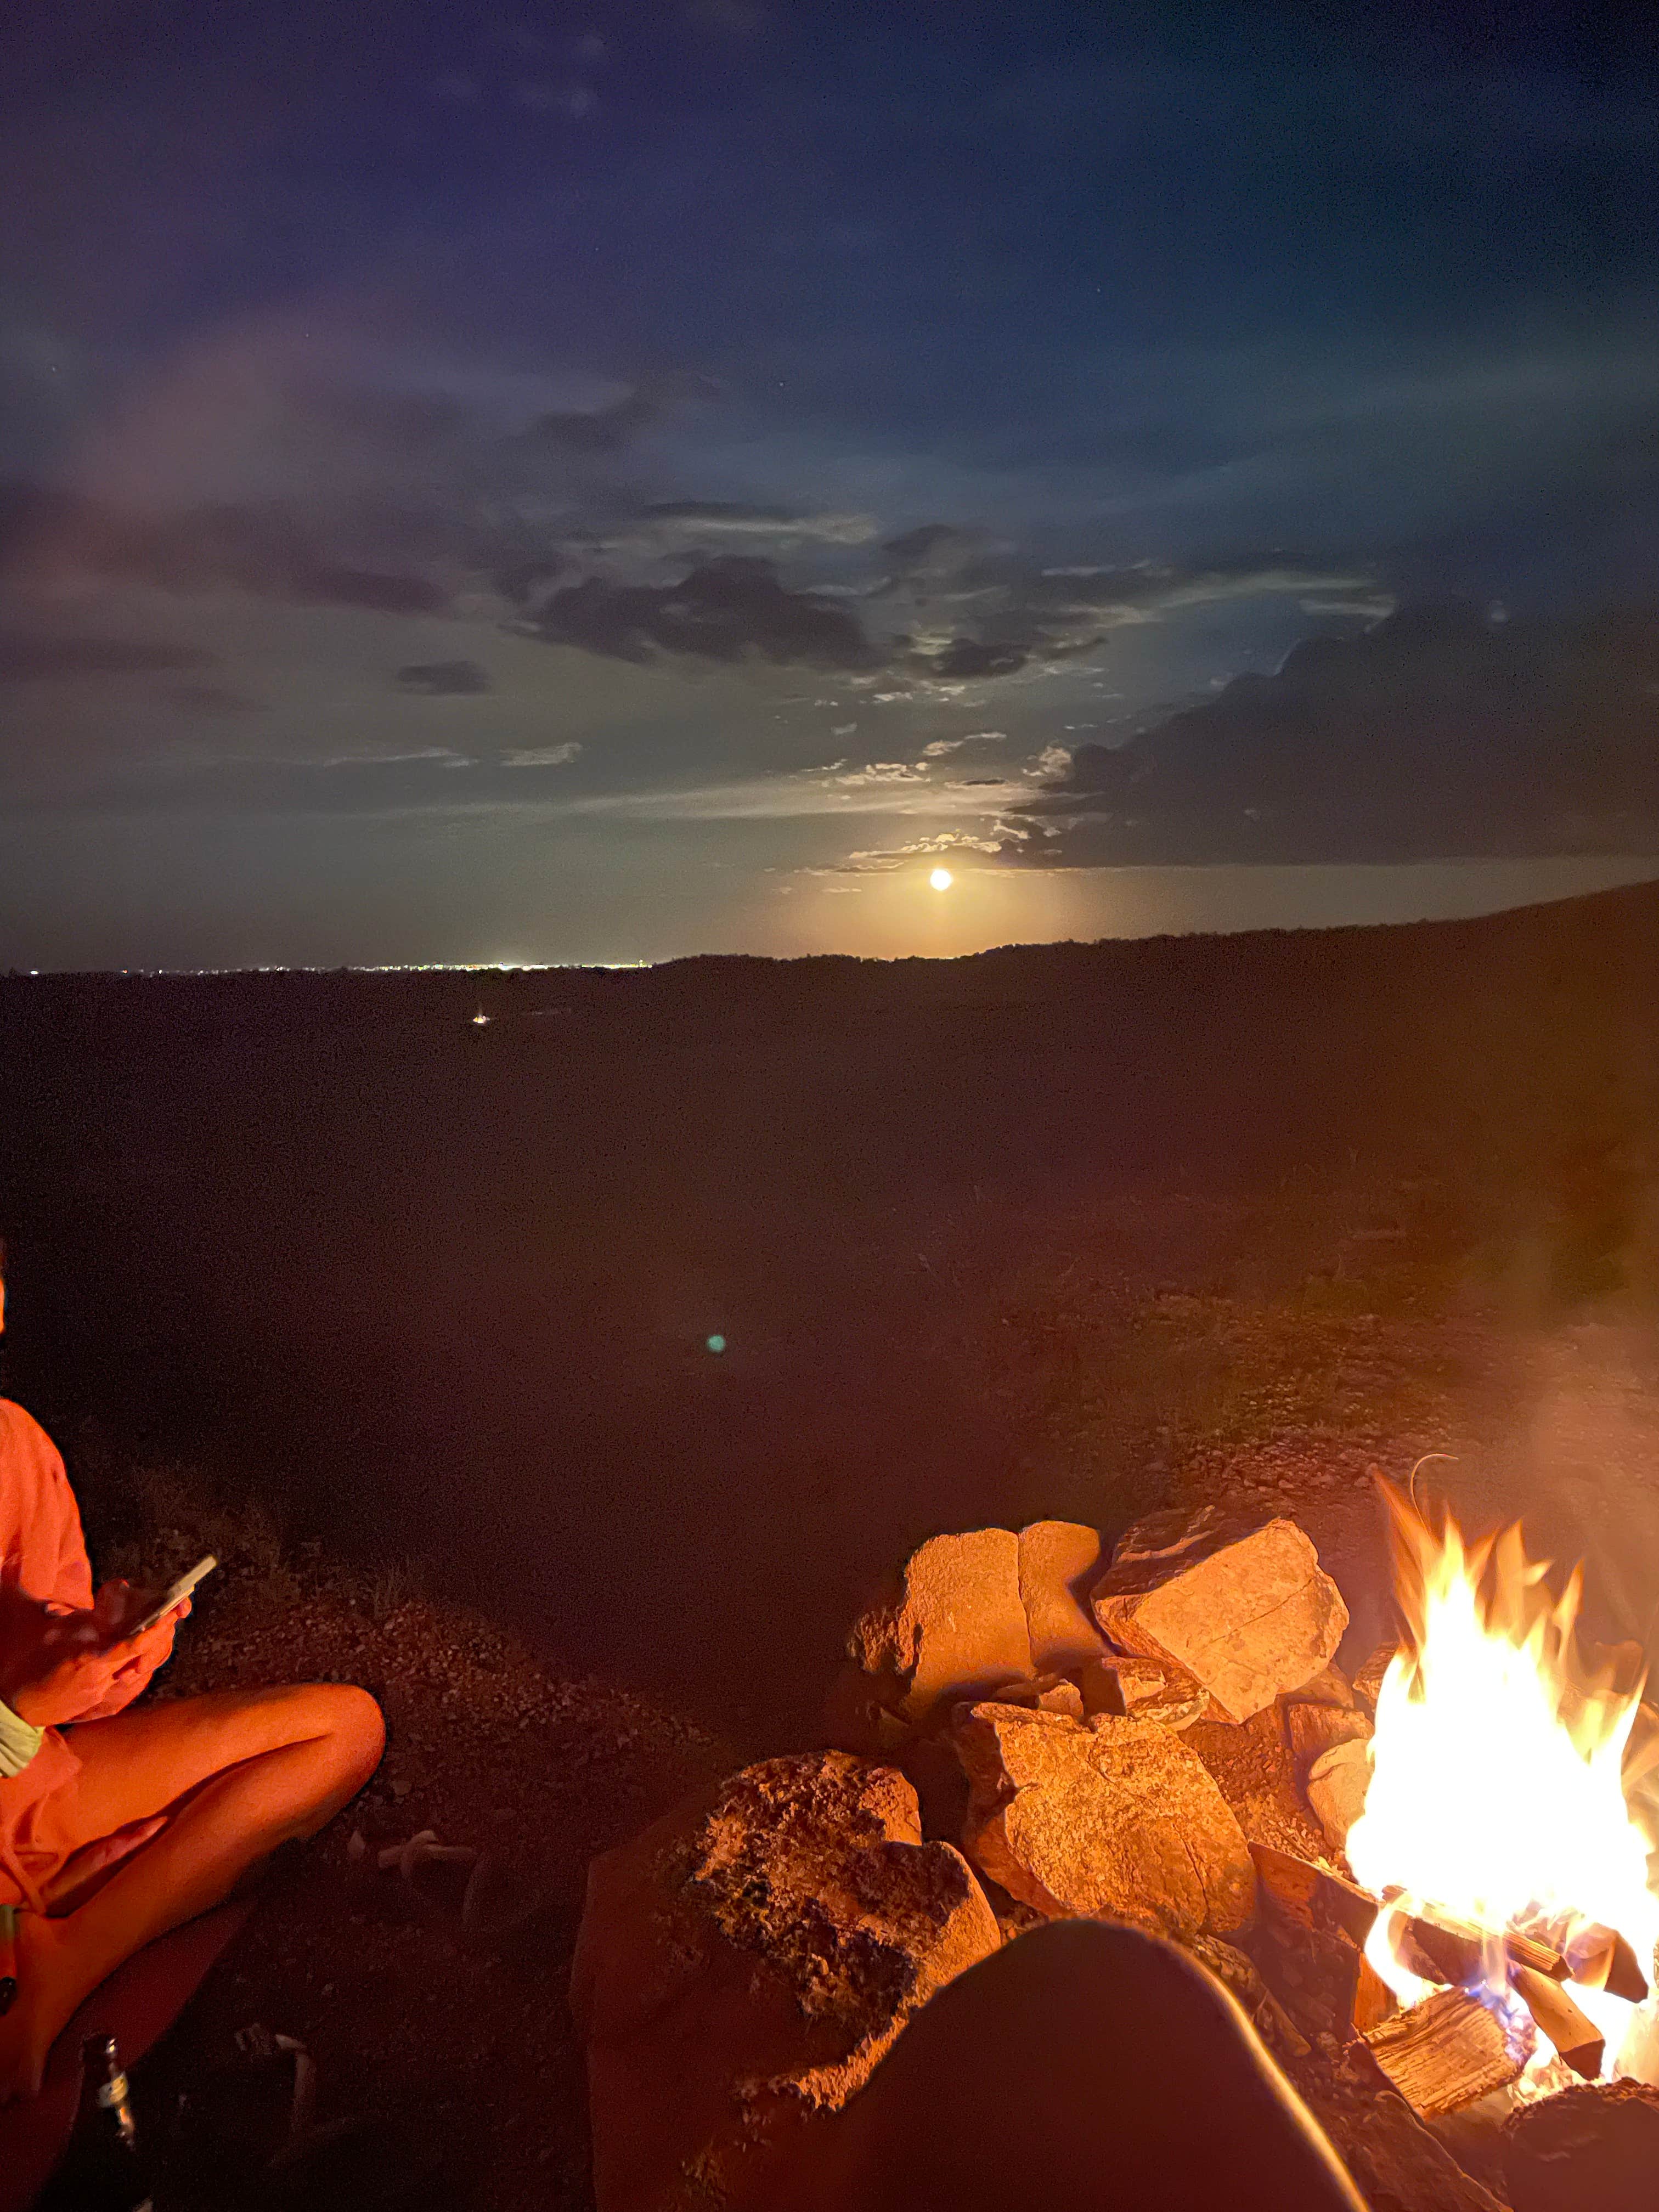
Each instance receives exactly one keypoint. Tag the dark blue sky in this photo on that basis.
(596, 483)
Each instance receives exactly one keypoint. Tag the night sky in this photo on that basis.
(549, 483)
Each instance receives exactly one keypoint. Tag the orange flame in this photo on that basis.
(1496, 1788)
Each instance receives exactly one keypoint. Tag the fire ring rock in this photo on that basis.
(1247, 1611)
(742, 1965)
(1116, 1818)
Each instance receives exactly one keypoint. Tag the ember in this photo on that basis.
(1495, 1825)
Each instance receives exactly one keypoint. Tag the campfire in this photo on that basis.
(1422, 1882)
(1496, 1831)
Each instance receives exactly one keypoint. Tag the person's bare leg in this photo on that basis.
(241, 1774)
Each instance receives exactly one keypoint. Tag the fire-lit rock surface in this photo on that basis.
(1058, 1563)
(1337, 1782)
(957, 1627)
(1591, 2149)
(1249, 1613)
(1252, 1767)
(1315, 1730)
(1116, 1817)
(742, 1965)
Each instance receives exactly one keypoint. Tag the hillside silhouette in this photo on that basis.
(443, 1288)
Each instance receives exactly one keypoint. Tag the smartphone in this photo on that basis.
(175, 1594)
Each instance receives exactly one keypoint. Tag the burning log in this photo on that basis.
(1374, 2001)
(1445, 2053)
(1578, 2040)
(1601, 1959)
(1312, 1896)
(1437, 1947)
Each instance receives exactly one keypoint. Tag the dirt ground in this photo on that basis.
(1275, 1351)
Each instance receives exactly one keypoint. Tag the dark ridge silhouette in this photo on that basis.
(446, 1286)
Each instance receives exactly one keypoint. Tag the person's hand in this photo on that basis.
(71, 1670)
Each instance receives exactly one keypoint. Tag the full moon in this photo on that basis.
(941, 879)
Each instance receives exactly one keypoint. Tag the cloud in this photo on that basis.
(265, 550)
(543, 756)
(882, 772)
(941, 747)
(607, 429)
(211, 699)
(444, 679)
(965, 609)
(62, 659)
(884, 859)
(714, 518)
(728, 610)
(1439, 734)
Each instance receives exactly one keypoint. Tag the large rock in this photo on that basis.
(955, 1628)
(1338, 1781)
(1247, 1611)
(1114, 1819)
(1313, 1730)
(1594, 2147)
(742, 1965)
(1059, 1566)
(1250, 1764)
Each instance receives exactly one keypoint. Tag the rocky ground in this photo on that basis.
(1148, 1349)
(467, 2051)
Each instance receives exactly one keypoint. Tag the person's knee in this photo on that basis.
(359, 1725)
(354, 1724)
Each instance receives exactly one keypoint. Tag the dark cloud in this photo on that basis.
(727, 610)
(937, 550)
(62, 659)
(984, 613)
(262, 550)
(444, 679)
(211, 699)
(595, 429)
(1441, 733)
(968, 657)
(522, 582)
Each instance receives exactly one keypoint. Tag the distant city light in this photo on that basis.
(480, 1020)
(715, 1343)
(941, 879)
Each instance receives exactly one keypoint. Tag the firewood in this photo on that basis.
(1601, 1959)
(1438, 1946)
(1577, 2039)
(1374, 2001)
(1312, 1896)
(1445, 2053)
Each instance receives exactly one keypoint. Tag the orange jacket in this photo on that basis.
(43, 1562)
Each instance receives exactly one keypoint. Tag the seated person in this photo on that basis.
(116, 1825)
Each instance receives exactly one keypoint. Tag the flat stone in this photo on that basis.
(1049, 1693)
(1143, 1689)
(1313, 1730)
(1115, 1819)
(1336, 1786)
(742, 1965)
(1249, 1615)
(955, 1627)
(1059, 1563)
